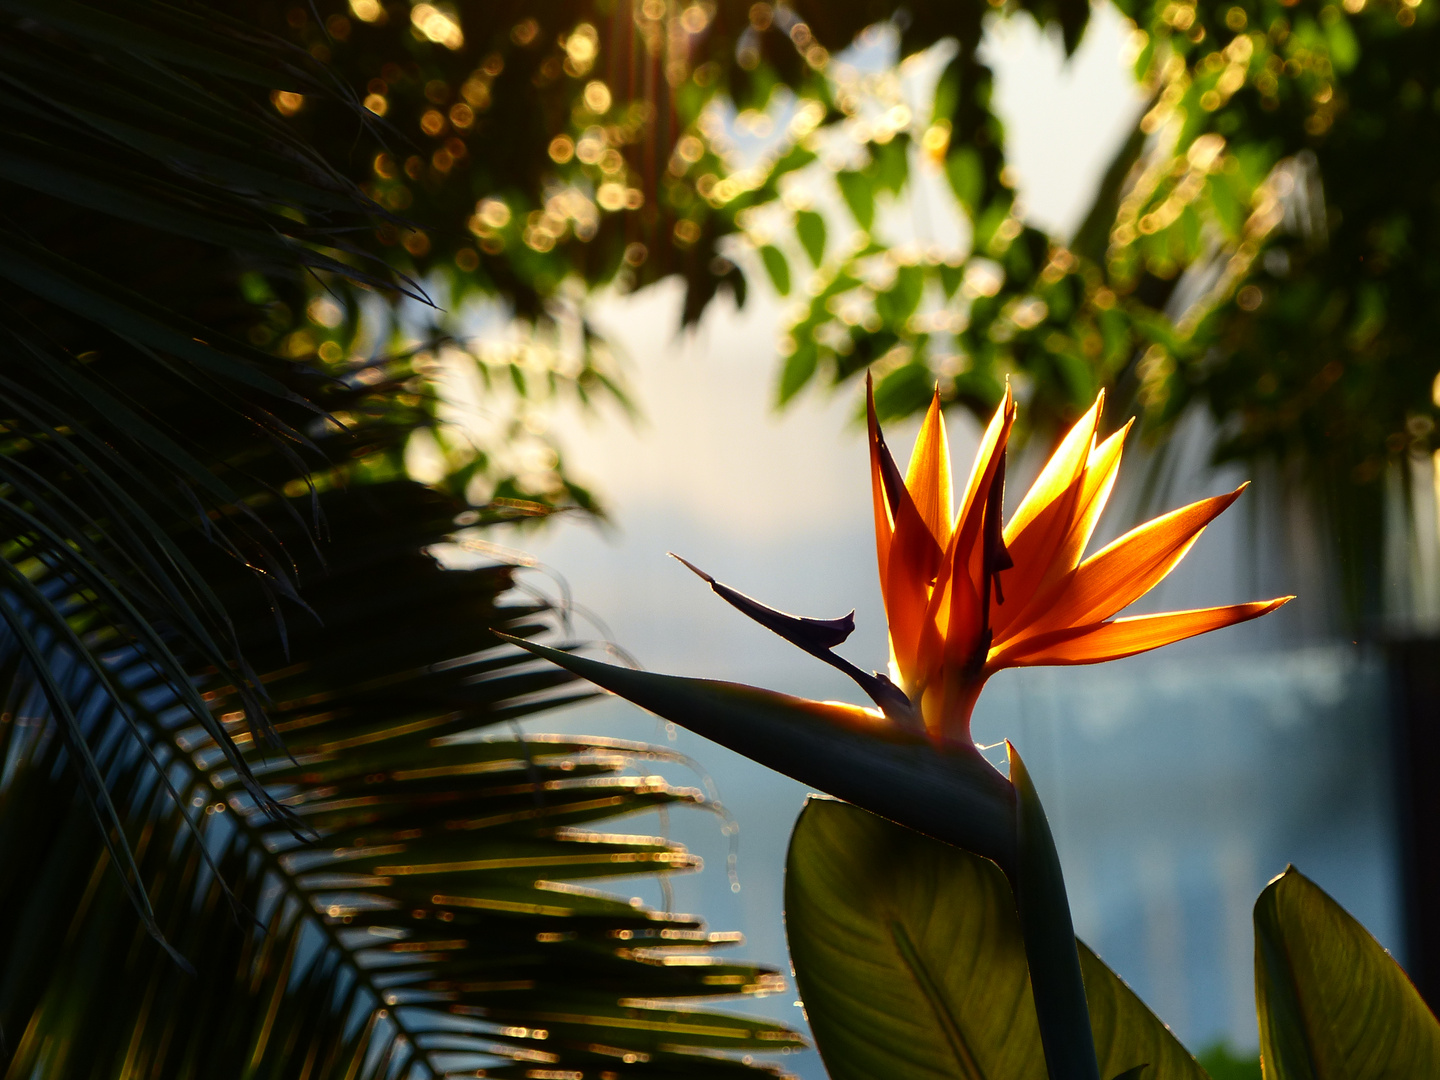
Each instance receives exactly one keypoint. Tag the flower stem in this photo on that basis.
(1045, 923)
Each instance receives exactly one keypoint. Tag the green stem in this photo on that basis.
(1049, 933)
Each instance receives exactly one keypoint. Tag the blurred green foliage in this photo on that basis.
(1257, 249)
(1222, 1063)
(233, 668)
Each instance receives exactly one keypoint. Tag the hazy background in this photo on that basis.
(1178, 783)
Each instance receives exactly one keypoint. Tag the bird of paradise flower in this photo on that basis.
(966, 595)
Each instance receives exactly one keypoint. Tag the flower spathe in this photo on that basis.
(967, 594)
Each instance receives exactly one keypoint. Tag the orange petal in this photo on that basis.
(1128, 636)
(1042, 521)
(1092, 492)
(922, 532)
(955, 606)
(928, 477)
(1125, 570)
(963, 620)
(1100, 473)
(881, 464)
(964, 556)
(914, 559)
(992, 445)
(1058, 477)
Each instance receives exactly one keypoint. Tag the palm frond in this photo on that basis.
(126, 389)
(438, 922)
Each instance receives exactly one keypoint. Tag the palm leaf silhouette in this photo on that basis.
(141, 179)
(436, 915)
(386, 893)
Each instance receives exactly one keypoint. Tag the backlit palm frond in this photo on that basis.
(439, 922)
(142, 176)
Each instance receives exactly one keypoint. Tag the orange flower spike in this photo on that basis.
(967, 599)
(885, 484)
(968, 596)
(910, 558)
(928, 477)
(1042, 522)
(964, 598)
(930, 576)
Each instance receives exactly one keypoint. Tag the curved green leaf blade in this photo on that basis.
(909, 958)
(1331, 1001)
(1130, 1040)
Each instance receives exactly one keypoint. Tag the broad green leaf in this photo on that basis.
(777, 268)
(910, 962)
(1332, 1003)
(810, 228)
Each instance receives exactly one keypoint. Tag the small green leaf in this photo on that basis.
(1331, 1001)
(810, 228)
(891, 167)
(897, 304)
(777, 268)
(859, 197)
(799, 369)
(904, 391)
(909, 958)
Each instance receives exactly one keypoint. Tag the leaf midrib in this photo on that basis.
(930, 989)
